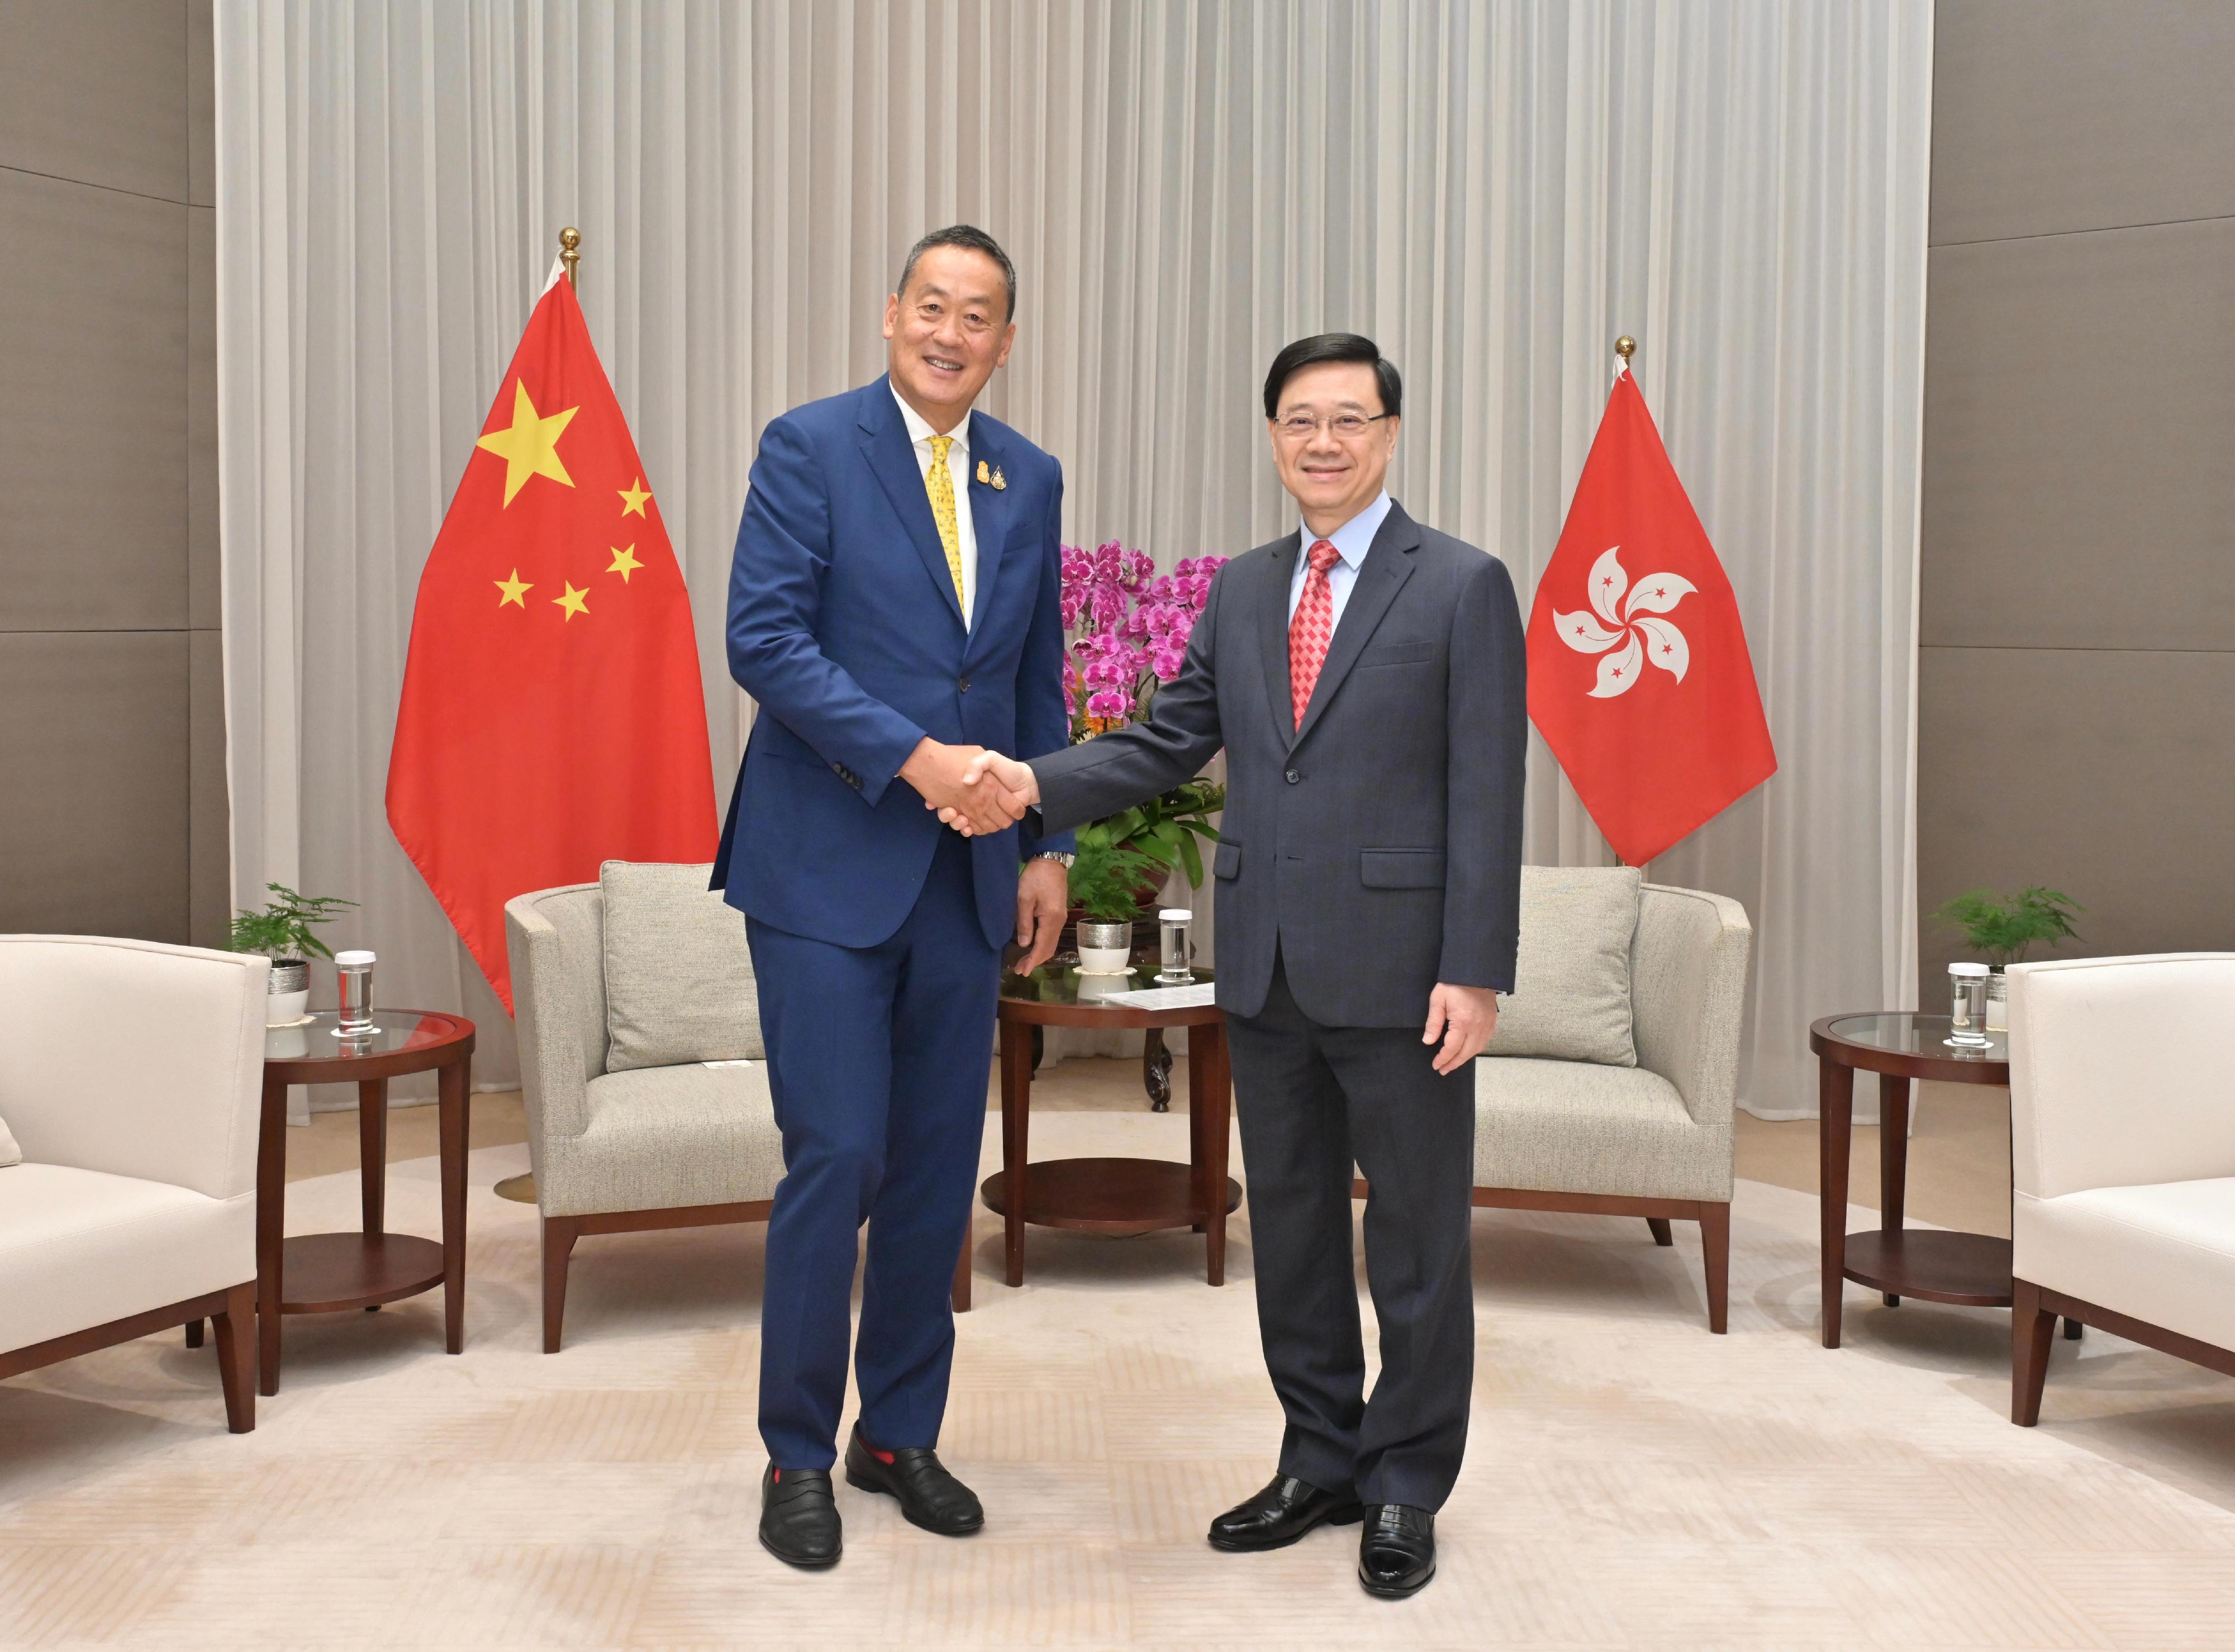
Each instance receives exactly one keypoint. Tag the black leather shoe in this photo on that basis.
(1280, 1514)
(929, 1497)
(1397, 1551)
(799, 1517)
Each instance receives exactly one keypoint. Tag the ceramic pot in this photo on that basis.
(1104, 949)
(287, 993)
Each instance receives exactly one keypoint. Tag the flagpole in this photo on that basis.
(521, 1189)
(1625, 347)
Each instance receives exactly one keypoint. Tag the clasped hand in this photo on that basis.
(974, 789)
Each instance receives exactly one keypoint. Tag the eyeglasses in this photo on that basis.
(1345, 427)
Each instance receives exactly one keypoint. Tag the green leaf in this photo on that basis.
(1192, 859)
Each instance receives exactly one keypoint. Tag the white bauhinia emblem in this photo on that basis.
(1633, 632)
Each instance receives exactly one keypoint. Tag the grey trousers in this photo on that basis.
(1313, 1100)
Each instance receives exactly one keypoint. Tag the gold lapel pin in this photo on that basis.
(982, 476)
(999, 480)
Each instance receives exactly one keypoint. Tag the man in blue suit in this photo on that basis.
(895, 609)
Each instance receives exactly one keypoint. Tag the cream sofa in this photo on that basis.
(2122, 1157)
(131, 1076)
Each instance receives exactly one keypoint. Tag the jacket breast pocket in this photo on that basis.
(1401, 869)
(1226, 862)
(1397, 654)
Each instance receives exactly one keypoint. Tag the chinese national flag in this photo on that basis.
(1639, 677)
(552, 714)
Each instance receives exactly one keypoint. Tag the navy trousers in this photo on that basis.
(878, 1059)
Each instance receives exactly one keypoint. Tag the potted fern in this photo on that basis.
(2005, 928)
(1106, 879)
(286, 933)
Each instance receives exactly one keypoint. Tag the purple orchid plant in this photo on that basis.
(1130, 626)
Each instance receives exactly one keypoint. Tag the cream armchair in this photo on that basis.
(1653, 1140)
(131, 1076)
(2122, 1158)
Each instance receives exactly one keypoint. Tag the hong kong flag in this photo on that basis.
(552, 714)
(1639, 677)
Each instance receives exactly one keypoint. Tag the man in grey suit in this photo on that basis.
(1365, 678)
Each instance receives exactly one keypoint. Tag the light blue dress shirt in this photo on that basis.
(1352, 540)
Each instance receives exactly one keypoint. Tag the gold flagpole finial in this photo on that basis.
(1625, 346)
(570, 254)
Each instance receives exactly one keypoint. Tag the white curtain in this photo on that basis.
(1492, 191)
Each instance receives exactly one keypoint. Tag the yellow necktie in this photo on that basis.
(940, 481)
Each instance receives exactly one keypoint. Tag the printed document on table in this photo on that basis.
(1165, 998)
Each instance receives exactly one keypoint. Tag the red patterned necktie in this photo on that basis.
(1312, 629)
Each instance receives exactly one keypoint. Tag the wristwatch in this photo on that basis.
(1055, 854)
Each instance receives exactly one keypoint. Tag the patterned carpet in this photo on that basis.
(1632, 1482)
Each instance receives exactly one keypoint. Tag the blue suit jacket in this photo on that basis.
(844, 626)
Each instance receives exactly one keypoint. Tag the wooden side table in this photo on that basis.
(1113, 1195)
(329, 1273)
(1972, 1269)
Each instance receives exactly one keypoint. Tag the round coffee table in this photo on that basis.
(327, 1273)
(1114, 1195)
(1972, 1269)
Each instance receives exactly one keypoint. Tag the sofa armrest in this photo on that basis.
(134, 1057)
(1687, 995)
(553, 1010)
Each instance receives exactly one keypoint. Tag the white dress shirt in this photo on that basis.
(1352, 541)
(958, 466)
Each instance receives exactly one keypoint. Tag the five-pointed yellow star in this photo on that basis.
(632, 497)
(530, 448)
(573, 601)
(625, 563)
(512, 589)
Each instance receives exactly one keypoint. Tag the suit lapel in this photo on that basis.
(1388, 564)
(892, 460)
(989, 517)
(1273, 632)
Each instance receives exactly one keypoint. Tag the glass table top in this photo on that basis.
(1907, 1033)
(1058, 983)
(316, 1039)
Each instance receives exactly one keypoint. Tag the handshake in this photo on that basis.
(974, 789)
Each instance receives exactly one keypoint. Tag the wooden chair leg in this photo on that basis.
(193, 1333)
(2031, 1327)
(1660, 1234)
(559, 1235)
(2072, 1329)
(1716, 1250)
(961, 1294)
(236, 1356)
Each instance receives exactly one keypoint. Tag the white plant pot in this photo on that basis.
(285, 1009)
(1103, 960)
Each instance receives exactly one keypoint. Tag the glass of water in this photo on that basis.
(1173, 923)
(1967, 989)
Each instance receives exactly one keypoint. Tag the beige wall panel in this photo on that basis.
(2053, 115)
(204, 606)
(93, 817)
(209, 873)
(201, 105)
(96, 90)
(2079, 395)
(2108, 775)
(93, 440)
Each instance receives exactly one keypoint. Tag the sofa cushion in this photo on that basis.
(663, 1137)
(1570, 1127)
(9, 1153)
(2163, 1253)
(1571, 999)
(81, 1247)
(679, 976)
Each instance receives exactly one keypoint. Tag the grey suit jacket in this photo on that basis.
(1377, 849)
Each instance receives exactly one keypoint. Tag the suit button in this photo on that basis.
(966, 685)
(1292, 776)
